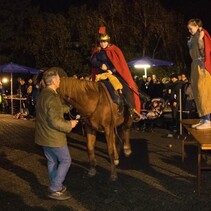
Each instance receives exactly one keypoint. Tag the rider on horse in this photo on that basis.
(109, 58)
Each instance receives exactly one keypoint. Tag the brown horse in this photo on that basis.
(94, 104)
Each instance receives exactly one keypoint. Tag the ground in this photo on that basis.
(152, 178)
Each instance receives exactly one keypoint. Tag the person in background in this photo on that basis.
(150, 86)
(188, 102)
(200, 52)
(154, 77)
(175, 100)
(184, 78)
(50, 133)
(36, 90)
(166, 81)
(23, 94)
(29, 87)
(159, 87)
(179, 77)
(110, 59)
(30, 104)
(141, 84)
(22, 88)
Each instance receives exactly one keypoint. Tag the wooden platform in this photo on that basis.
(203, 140)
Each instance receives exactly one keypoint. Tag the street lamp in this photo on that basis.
(2, 81)
(5, 80)
(145, 66)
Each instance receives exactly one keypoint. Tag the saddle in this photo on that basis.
(112, 79)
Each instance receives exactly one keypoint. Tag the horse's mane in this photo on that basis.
(69, 85)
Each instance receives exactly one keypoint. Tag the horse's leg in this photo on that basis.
(112, 151)
(116, 154)
(127, 146)
(91, 139)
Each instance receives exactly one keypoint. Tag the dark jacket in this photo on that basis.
(176, 86)
(51, 127)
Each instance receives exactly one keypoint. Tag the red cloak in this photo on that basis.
(118, 60)
(207, 48)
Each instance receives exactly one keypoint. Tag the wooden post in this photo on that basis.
(180, 107)
(11, 93)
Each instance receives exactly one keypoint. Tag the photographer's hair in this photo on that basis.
(49, 75)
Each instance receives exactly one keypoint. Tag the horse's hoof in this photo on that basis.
(92, 172)
(127, 152)
(113, 178)
(116, 162)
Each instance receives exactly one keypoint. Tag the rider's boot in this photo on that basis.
(135, 115)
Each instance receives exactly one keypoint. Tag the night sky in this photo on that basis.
(188, 8)
(62, 5)
(191, 9)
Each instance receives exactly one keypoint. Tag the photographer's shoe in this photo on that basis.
(59, 195)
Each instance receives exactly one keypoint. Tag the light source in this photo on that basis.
(5, 80)
(144, 66)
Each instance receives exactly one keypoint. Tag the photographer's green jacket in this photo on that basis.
(50, 126)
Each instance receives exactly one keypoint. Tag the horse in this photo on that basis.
(100, 114)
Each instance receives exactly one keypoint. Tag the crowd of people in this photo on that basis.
(168, 89)
(28, 91)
